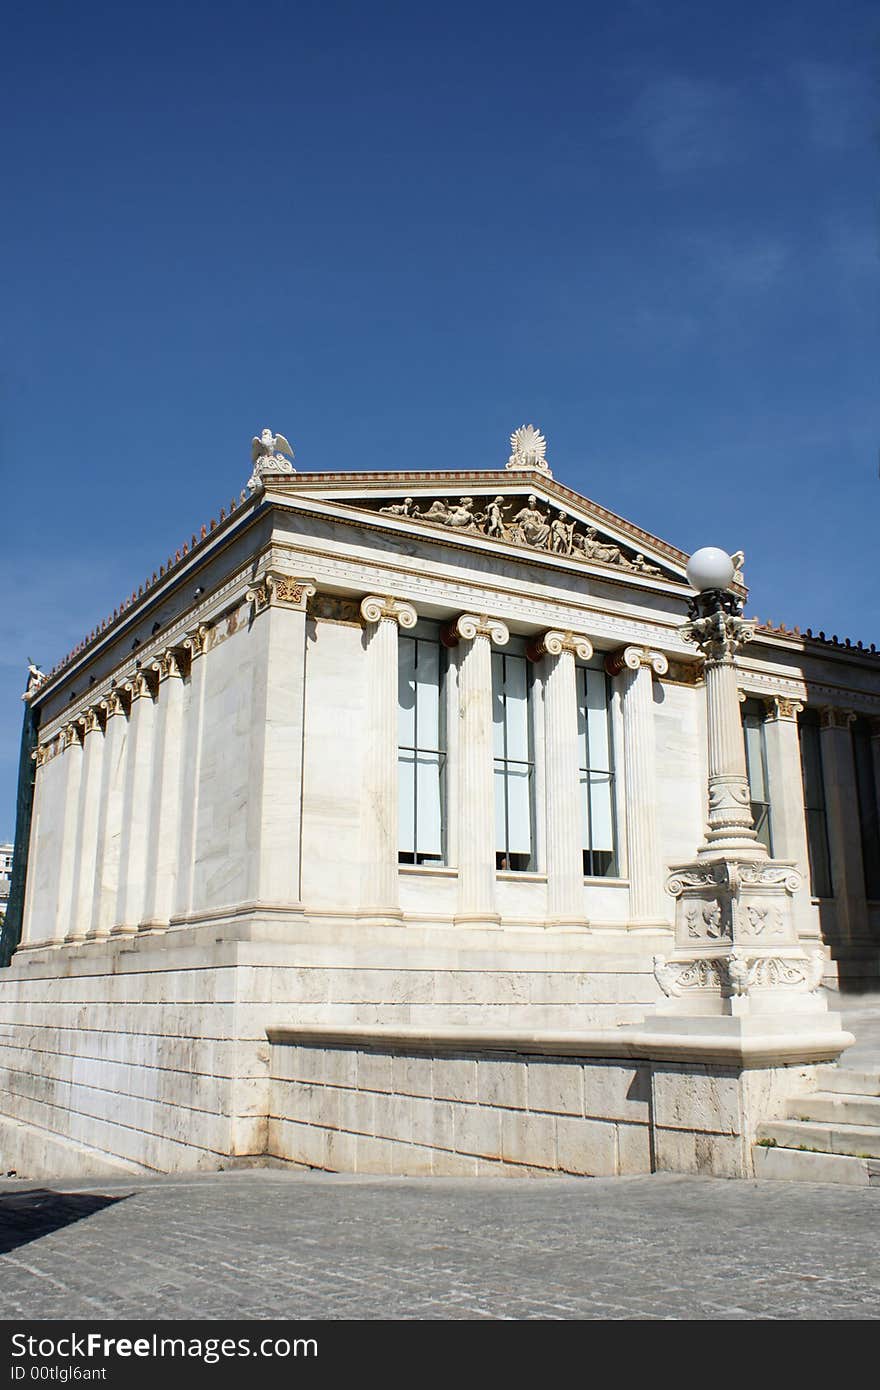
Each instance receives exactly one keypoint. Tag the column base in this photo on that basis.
(381, 917)
(121, 930)
(649, 926)
(568, 923)
(490, 921)
(154, 928)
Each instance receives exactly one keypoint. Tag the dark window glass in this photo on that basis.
(421, 751)
(866, 783)
(597, 772)
(754, 735)
(514, 762)
(814, 805)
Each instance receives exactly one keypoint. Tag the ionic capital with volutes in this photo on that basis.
(554, 643)
(378, 609)
(169, 664)
(472, 625)
(632, 658)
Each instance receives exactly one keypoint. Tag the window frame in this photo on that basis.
(425, 634)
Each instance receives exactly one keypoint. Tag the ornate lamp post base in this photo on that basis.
(737, 953)
(736, 947)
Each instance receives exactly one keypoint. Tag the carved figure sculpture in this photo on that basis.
(641, 566)
(403, 508)
(532, 524)
(561, 533)
(438, 511)
(495, 519)
(462, 517)
(595, 550)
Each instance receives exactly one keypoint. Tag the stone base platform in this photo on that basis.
(185, 1051)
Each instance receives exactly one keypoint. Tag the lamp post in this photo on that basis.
(736, 946)
(720, 631)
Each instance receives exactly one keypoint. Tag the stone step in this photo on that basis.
(793, 1165)
(850, 1082)
(840, 1108)
(863, 1141)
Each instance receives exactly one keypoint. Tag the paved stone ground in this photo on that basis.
(270, 1244)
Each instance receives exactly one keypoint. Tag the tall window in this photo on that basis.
(756, 764)
(421, 750)
(868, 812)
(597, 772)
(814, 805)
(514, 762)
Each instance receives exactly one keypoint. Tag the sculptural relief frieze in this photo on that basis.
(530, 526)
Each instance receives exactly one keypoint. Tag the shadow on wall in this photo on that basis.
(30, 1215)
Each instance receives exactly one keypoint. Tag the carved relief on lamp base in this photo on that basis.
(736, 947)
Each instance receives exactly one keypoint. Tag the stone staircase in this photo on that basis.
(830, 1135)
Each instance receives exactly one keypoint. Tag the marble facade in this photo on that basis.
(214, 852)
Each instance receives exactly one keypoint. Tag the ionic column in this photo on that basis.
(87, 839)
(789, 821)
(136, 806)
(106, 887)
(635, 668)
(275, 800)
(476, 790)
(563, 793)
(841, 809)
(32, 932)
(380, 894)
(194, 646)
(719, 631)
(73, 758)
(165, 808)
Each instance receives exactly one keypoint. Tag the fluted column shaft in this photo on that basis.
(110, 820)
(190, 772)
(563, 792)
(634, 667)
(720, 631)
(87, 842)
(844, 839)
(380, 894)
(787, 813)
(165, 810)
(275, 799)
(73, 758)
(476, 790)
(136, 808)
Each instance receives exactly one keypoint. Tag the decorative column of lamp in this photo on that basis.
(736, 946)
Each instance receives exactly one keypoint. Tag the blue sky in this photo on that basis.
(394, 232)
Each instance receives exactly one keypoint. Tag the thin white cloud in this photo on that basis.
(689, 123)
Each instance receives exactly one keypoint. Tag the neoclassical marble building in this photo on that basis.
(367, 833)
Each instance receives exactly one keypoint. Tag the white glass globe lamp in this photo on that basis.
(710, 568)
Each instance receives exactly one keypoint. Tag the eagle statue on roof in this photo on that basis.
(268, 453)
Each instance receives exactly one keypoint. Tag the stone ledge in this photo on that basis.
(741, 1048)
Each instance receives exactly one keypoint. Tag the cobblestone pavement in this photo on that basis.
(302, 1245)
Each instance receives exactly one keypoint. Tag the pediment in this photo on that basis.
(523, 511)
